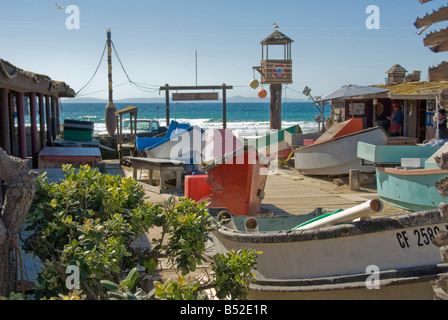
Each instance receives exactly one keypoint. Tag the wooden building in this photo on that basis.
(278, 70)
(396, 74)
(23, 92)
(417, 99)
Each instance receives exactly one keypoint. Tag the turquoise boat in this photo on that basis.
(406, 176)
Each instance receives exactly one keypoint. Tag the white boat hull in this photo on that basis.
(186, 146)
(407, 284)
(338, 156)
(330, 259)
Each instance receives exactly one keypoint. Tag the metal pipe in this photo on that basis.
(359, 211)
(226, 219)
(251, 225)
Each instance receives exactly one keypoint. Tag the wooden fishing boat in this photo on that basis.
(274, 144)
(336, 156)
(406, 176)
(149, 142)
(237, 181)
(184, 144)
(380, 258)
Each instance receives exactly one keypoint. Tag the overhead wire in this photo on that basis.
(136, 84)
(99, 91)
(142, 86)
(96, 70)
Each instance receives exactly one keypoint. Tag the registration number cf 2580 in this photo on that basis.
(418, 237)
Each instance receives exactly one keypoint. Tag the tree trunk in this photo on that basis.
(17, 202)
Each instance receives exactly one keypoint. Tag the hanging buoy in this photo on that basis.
(254, 83)
(262, 93)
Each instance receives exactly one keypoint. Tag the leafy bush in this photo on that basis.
(91, 220)
(189, 229)
(233, 273)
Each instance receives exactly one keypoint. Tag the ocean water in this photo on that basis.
(240, 116)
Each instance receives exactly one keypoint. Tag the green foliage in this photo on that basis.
(233, 273)
(189, 228)
(178, 290)
(124, 290)
(73, 295)
(90, 220)
(13, 296)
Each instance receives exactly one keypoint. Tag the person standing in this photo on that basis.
(443, 129)
(396, 120)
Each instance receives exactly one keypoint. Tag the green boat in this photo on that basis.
(274, 144)
(406, 176)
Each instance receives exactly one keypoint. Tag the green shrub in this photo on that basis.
(91, 220)
(233, 273)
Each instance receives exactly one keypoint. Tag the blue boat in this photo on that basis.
(152, 142)
(406, 176)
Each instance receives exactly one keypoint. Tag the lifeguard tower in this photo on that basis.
(276, 71)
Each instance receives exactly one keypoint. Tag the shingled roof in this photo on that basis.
(25, 81)
(277, 38)
(397, 69)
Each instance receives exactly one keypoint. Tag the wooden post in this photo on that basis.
(42, 120)
(53, 118)
(57, 115)
(224, 107)
(5, 141)
(167, 107)
(12, 128)
(21, 124)
(354, 179)
(110, 107)
(405, 118)
(276, 106)
(48, 119)
(34, 140)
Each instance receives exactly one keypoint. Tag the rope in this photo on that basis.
(142, 87)
(97, 68)
(119, 60)
(99, 91)
(285, 162)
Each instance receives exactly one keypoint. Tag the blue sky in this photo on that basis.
(157, 41)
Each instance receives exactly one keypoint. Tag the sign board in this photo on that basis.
(195, 96)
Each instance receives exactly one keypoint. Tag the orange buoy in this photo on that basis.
(262, 93)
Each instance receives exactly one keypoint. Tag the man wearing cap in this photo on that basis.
(396, 120)
(443, 130)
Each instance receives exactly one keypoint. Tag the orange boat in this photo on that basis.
(237, 181)
(341, 129)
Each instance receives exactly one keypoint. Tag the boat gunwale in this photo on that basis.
(352, 281)
(411, 171)
(380, 224)
(350, 135)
